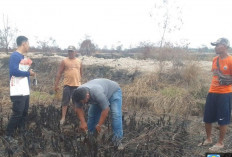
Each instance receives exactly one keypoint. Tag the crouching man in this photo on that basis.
(102, 95)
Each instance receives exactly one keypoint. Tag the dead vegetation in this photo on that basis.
(150, 136)
(162, 112)
(177, 91)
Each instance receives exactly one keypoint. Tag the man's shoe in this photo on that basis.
(120, 146)
(11, 140)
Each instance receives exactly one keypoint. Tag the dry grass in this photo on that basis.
(137, 94)
(173, 54)
(41, 98)
(173, 100)
(164, 92)
(179, 91)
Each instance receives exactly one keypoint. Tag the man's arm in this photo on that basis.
(102, 119)
(81, 116)
(14, 67)
(81, 69)
(104, 104)
(104, 114)
(59, 74)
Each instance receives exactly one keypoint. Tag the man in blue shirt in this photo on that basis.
(19, 87)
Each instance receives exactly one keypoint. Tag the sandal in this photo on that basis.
(62, 121)
(216, 147)
(205, 143)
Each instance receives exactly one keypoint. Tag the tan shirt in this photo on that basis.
(72, 75)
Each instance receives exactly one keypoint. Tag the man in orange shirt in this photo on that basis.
(218, 102)
(71, 67)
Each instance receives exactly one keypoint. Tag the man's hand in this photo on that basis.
(103, 116)
(98, 128)
(32, 73)
(84, 127)
(58, 75)
(81, 116)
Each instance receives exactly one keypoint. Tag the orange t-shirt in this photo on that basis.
(226, 69)
(72, 74)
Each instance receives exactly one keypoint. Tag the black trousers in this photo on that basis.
(19, 114)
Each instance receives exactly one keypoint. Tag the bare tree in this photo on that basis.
(7, 34)
(146, 49)
(87, 47)
(49, 45)
(119, 46)
(168, 16)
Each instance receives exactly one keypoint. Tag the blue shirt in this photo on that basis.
(15, 59)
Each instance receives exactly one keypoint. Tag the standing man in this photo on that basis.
(218, 102)
(72, 69)
(102, 95)
(19, 87)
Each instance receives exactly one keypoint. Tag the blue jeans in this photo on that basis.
(94, 114)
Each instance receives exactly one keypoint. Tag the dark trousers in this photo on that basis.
(19, 114)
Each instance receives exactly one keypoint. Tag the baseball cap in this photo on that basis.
(223, 41)
(71, 48)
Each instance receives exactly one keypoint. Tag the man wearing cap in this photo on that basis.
(71, 67)
(218, 102)
(102, 95)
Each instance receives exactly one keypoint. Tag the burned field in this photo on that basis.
(162, 115)
(163, 136)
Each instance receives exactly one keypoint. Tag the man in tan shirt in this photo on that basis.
(71, 67)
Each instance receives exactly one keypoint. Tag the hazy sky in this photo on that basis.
(114, 22)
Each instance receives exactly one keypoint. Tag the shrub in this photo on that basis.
(178, 92)
(173, 100)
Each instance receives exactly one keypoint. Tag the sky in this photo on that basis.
(119, 22)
